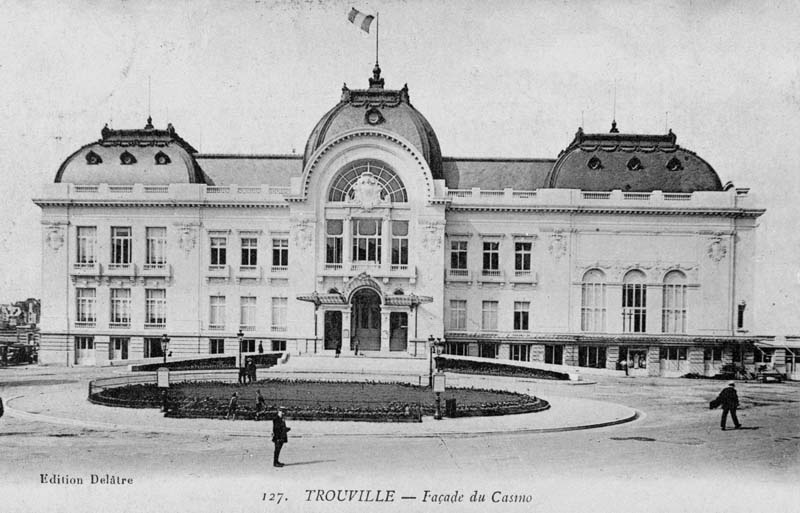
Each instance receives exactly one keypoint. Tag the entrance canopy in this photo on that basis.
(335, 298)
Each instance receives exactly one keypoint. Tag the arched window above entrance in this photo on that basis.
(367, 179)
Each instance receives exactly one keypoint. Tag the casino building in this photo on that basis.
(625, 247)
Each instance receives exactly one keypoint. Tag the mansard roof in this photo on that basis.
(123, 157)
(630, 162)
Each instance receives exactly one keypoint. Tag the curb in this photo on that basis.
(105, 426)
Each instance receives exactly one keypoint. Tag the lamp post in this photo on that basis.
(430, 360)
(164, 345)
(240, 336)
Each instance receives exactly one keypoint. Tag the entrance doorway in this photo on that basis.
(333, 330)
(366, 320)
(398, 331)
(84, 351)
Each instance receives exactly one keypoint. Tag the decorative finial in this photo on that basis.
(614, 127)
(376, 82)
(149, 125)
(105, 131)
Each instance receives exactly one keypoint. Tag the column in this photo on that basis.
(655, 301)
(346, 335)
(347, 242)
(386, 242)
(614, 308)
(385, 330)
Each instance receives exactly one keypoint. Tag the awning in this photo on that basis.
(780, 342)
(327, 298)
(407, 300)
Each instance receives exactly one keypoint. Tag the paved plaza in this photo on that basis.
(607, 444)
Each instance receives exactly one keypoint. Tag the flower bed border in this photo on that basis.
(391, 412)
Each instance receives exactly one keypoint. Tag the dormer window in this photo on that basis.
(594, 164)
(127, 158)
(93, 158)
(162, 158)
(634, 164)
(674, 164)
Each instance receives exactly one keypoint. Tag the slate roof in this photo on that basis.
(250, 170)
(519, 174)
(631, 162)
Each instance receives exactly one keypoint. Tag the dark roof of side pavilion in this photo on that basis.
(630, 162)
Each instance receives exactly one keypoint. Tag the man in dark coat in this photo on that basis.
(729, 400)
(279, 436)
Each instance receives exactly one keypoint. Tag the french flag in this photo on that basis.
(360, 19)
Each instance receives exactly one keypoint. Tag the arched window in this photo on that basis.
(634, 302)
(93, 158)
(162, 159)
(593, 301)
(673, 313)
(378, 180)
(127, 158)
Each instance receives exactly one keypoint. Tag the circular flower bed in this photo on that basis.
(318, 400)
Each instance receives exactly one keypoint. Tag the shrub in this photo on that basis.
(494, 368)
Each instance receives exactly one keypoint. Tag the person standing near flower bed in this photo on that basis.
(261, 404)
(279, 436)
(232, 405)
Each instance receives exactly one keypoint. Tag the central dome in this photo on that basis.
(377, 107)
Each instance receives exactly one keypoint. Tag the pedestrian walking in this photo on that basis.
(624, 365)
(261, 404)
(242, 373)
(232, 405)
(260, 348)
(355, 345)
(338, 348)
(1, 407)
(251, 370)
(279, 436)
(729, 400)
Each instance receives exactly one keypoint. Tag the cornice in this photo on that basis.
(173, 203)
(716, 212)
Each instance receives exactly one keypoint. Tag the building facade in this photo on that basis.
(625, 247)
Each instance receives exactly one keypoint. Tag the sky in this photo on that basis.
(499, 79)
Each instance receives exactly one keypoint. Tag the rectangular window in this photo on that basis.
(155, 308)
(121, 241)
(279, 345)
(249, 252)
(216, 346)
(489, 316)
(712, 354)
(634, 308)
(216, 317)
(673, 318)
(87, 245)
(280, 254)
(554, 354)
(334, 229)
(248, 345)
(247, 313)
(458, 314)
(156, 247)
(519, 352)
(367, 240)
(521, 313)
(487, 350)
(399, 245)
(635, 356)
(522, 257)
(591, 356)
(120, 308)
(118, 348)
(218, 251)
(740, 316)
(279, 306)
(673, 353)
(84, 343)
(85, 308)
(456, 348)
(458, 254)
(152, 348)
(491, 258)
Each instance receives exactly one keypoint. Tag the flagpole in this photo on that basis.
(377, 33)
